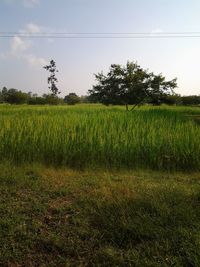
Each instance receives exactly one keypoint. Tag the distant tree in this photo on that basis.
(3, 94)
(190, 100)
(129, 85)
(84, 99)
(37, 100)
(1, 98)
(52, 100)
(13, 96)
(174, 99)
(4, 90)
(52, 80)
(72, 99)
(30, 94)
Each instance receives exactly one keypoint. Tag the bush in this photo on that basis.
(52, 100)
(72, 99)
(37, 101)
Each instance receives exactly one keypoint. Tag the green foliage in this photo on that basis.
(130, 85)
(95, 136)
(84, 99)
(173, 99)
(191, 100)
(13, 96)
(51, 99)
(37, 100)
(52, 80)
(72, 99)
(3, 94)
(1, 98)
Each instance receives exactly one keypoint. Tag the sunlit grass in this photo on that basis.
(92, 136)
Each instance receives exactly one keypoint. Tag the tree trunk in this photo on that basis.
(134, 107)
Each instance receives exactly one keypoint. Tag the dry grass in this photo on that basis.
(62, 217)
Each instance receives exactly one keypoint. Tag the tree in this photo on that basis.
(37, 100)
(1, 97)
(72, 99)
(51, 99)
(3, 94)
(4, 90)
(174, 99)
(52, 80)
(14, 96)
(190, 100)
(129, 85)
(84, 99)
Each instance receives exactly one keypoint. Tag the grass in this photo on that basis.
(93, 136)
(63, 217)
(96, 186)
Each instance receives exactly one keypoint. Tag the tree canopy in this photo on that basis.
(130, 85)
(13, 96)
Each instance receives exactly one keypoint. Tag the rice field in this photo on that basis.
(94, 136)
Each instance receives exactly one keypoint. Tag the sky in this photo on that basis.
(22, 60)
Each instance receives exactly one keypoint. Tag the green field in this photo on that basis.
(99, 137)
(90, 185)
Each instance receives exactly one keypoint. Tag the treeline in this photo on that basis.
(178, 100)
(14, 96)
(129, 85)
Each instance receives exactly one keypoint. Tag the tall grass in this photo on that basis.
(95, 136)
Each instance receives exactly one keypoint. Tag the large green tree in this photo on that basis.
(130, 85)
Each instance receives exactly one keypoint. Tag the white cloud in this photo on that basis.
(33, 28)
(35, 61)
(19, 45)
(20, 48)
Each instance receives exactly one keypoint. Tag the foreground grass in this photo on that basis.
(61, 217)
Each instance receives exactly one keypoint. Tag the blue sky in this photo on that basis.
(21, 60)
